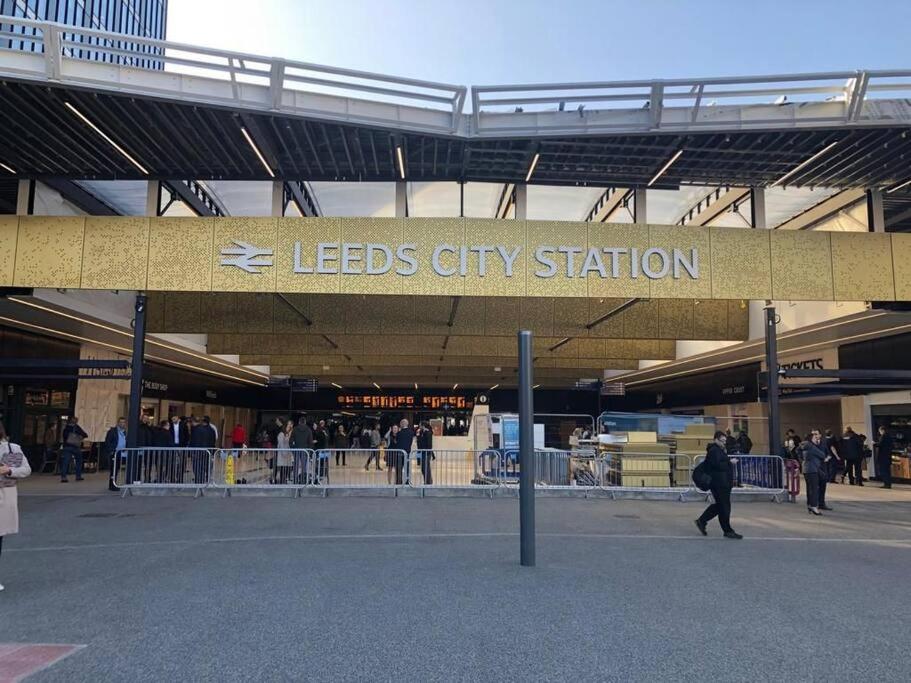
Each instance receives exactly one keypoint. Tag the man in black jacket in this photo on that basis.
(884, 447)
(202, 438)
(852, 452)
(425, 452)
(403, 443)
(302, 438)
(718, 465)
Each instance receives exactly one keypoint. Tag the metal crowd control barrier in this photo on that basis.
(227, 469)
(175, 468)
(757, 474)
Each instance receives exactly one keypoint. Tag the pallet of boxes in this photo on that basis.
(692, 443)
(640, 462)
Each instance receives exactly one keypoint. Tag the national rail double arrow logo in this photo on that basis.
(246, 257)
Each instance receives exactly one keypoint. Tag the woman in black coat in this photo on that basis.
(719, 464)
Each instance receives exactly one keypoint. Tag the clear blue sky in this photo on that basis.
(476, 42)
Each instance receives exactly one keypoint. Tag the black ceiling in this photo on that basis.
(40, 137)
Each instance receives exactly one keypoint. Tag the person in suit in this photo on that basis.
(815, 472)
(179, 434)
(202, 438)
(425, 452)
(852, 451)
(403, 444)
(884, 447)
(302, 438)
(718, 464)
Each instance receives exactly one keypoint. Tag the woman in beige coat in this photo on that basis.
(13, 467)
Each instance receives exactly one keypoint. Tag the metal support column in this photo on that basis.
(640, 206)
(153, 198)
(401, 198)
(135, 408)
(876, 219)
(521, 202)
(278, 199)
(526, 452)
(757, 208)
(771, 360)
(25, 198)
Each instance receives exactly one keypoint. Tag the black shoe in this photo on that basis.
(887, 486)
(860, 484)
(732, 534)
(64, 480)
(80, 479)
(701, 526)
(814, 512)
(825, 507)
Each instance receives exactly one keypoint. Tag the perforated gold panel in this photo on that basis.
(115, 252)
(623, 236)
(901, 261)
(49, 251)
(427, 235)
(710, 319)
(740, 264)
(801, 265)
(675, 318)
(670, 237)
(180, 254)
(308, 232)
(235, 233)
(509, 234)
(9, 232)
(862, 266)
(552, 235)
(387, 231)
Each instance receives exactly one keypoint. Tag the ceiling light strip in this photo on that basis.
(889, 191)
(665, 167)
(253, 146)
(531, 168)
(804, 164)
(401, 159)
(7, 168)
(106, 137)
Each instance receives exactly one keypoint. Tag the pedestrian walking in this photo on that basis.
(13, 467)
(718, 465)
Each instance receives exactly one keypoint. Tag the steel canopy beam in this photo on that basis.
(823, 210)
(713, 205)
(611, 200)
(81, 198)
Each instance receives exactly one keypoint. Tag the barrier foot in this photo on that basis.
(198, 493)
(127, 491)
(227, 493)
(325, 492)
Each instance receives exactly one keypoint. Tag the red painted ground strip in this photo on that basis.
(19, 660)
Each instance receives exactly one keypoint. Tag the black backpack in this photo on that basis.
(701, 477)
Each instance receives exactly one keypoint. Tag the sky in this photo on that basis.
(479, 42)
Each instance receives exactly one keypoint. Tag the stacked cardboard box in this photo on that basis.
(691, 443)
(645, 464)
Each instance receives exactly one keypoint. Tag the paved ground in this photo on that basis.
(409, 589)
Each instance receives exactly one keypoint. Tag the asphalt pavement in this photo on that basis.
(349, 588)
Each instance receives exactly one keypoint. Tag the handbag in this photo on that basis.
(701, 477)
(73, 439)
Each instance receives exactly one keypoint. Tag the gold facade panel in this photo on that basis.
(470, 315)
(324, 312)
(740, 264)
(218, 312)
(609, 324)
(291, 313)
(621, 236)
(738, 319)
(427, 234)
(363, 231)
(509, 234)
(675, 318)
(9, 233)
(538, 315)
(695, 247)
(237, 233)
(551, 236)
(503, 315)
(179, 254)
(49, 252)
(307, 233)
(862, 266)
(183, 312)
(710, 319)
(155, 303)
(641, 320)
(255, 309)
(801, 265)
(901, 263)
(115, 252)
